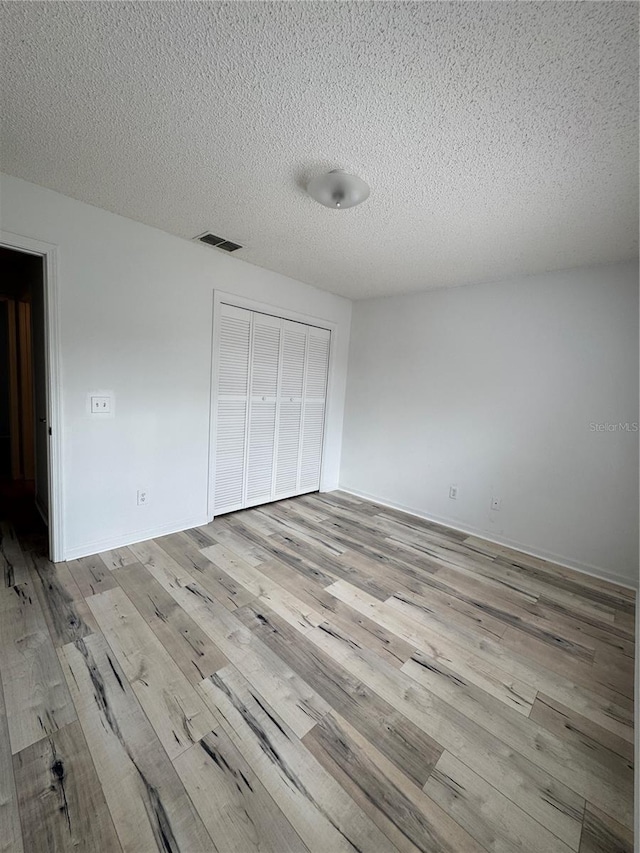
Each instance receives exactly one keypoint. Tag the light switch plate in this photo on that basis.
(101, 405)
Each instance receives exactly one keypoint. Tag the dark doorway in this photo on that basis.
(24, 468)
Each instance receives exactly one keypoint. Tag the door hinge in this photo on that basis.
(50, 433)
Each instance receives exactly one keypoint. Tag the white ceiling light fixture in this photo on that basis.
(338, 189)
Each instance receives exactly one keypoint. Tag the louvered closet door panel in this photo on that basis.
(262, 432)
(233, 370)
(289, 422)
(229, 475)
(312, 433)
(317, 364)
(316, 374)
(294, 344)
(294, 347)
(266, 355)
(231, 412)
(265, 366)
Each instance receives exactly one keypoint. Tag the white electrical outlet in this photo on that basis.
(453, 492)
(143, 497)
(495, 504)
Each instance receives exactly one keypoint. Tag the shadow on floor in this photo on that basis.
(17, 506)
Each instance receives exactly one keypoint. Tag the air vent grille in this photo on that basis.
(218, 242)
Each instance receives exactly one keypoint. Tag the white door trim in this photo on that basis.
(219, 297)
(49, 254)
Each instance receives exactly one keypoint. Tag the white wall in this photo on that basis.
(493, 388)
(136, 319)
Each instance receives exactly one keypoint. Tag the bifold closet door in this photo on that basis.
(270, 409)
(232, 408)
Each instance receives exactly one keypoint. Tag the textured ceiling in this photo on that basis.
(498, 138)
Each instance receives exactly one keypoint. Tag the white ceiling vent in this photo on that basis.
(218, 242)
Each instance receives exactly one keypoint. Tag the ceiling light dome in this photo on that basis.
(338, 189)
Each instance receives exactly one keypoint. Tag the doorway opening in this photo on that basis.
(24, 428)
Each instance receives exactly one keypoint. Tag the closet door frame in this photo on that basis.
(221, 297)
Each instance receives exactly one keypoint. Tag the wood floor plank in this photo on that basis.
(35, 692)
(221, 532)
(403, 743)
(255, 520)
(321, 812)
(151, 555)
(508, 583)
(578, 672)
(91, 575)
(580, 627)
(196, 655)
(199, 537)
(409, 530)
(338, 498)
(611, 788)
(299, 574)
(614, 671)
(169, 700)
(362, 629)
(626, 621)
(10, 831)
(65, 610)
(300, 509)
(434, 596)
(261, 585)
(486, 814)
(566, 723)
(510, 575)
(612, 715)
(284, 523)
(62, 805)
(466, 577)
(149, 805)
(411, 820)
(342, 533)
(186, 555)
(601, 834)
(553, 569)
(455, 567)
(13, 566)
(233, 803)
(300, 556)
(516, 694)
(569, 634)
(572, 634)
(545, 572)
(540, 795)
(421, 571)
(299, 705)
(584, 622)
(563, 588)
(521, 615)
(117, 558)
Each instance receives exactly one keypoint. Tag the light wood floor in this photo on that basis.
(319, 674)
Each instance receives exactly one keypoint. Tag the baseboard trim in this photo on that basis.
(585, 568)
(132, 538)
